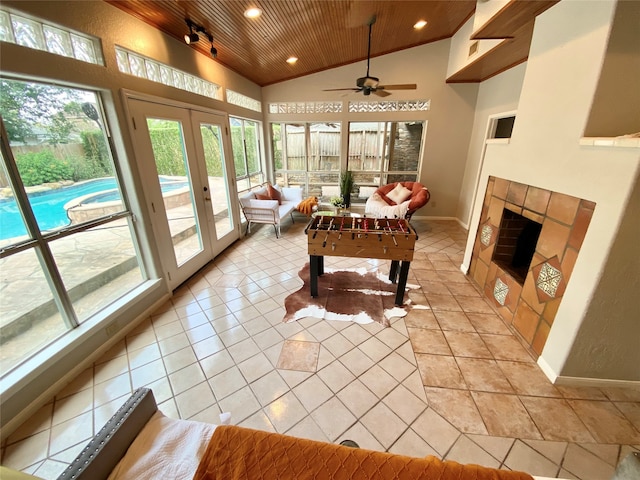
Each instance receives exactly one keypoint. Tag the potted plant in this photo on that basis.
(346, 185)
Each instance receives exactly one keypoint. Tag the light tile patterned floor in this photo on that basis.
(451, 381)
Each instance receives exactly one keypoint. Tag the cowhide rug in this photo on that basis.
(350, 295)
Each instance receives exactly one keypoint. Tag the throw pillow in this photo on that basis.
(274, 194)
(399, 194)
(263, 196)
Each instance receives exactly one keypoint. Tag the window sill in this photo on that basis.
(498, 141)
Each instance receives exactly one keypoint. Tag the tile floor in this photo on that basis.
(451, 381)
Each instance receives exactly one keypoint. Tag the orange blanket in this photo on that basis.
(236, 453)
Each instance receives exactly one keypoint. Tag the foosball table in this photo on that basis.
(361, 237)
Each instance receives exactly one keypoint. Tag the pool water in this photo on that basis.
(48, 206)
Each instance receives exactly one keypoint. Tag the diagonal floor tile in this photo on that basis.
(605, 422)
(556, 420)
(504, 415)
(440, 371)
(458, 407)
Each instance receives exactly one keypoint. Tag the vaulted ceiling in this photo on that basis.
(324, 34)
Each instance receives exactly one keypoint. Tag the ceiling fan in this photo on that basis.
(369, 84)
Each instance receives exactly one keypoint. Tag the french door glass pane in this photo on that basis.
(167, 141)
(216, 173)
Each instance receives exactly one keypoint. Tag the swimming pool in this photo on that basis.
(48, 206)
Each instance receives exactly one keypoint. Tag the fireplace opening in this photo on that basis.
(517, 240)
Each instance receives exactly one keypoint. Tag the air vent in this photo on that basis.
(473, 48)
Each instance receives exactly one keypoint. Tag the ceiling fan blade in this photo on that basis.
(402, 86)
(340, 89)
(381, 93)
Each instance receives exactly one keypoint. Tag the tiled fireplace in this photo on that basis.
(544, 226)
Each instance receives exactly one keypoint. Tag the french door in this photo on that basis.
(187, 177)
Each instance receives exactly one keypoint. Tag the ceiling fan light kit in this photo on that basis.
(368, 84)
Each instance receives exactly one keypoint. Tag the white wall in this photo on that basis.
(449, 121)
(544, 151)
(499, 94)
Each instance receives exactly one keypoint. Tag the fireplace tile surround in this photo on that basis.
(530, 308)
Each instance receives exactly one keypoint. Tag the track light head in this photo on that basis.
(214, 51)
(191, 37)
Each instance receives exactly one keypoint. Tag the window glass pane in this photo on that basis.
(295, 147)
(12, 226)
(58, 41)
(237, 144)
(324, 146)
(61, 153)
(136, 65)
(251, 139)
(366, 145)
(406, 140)
(6, 32)
(153, 71)
(276, 140)
(97, 266)
(28, 33)
(122, 58)
(29, 317)
(178, 80)
(165, 75)
(84, 49)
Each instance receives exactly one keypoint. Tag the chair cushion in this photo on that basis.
(399, 194)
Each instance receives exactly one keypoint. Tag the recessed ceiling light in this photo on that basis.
(253, 12)
(420, 24)
(292, 60)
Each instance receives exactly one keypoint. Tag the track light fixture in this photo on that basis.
(193, 37)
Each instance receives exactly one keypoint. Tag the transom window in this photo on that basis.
(32, 33)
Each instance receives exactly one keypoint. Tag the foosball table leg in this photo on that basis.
(402, 282)
(393, 271)
(314, 270)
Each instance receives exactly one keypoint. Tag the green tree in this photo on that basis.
(24, 105)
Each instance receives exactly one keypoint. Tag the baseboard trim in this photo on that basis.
(596, 382)
(584, 381)
(547, 370)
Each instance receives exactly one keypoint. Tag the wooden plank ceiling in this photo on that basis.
(322, 34)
